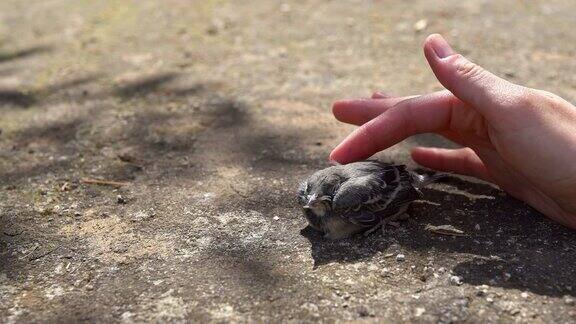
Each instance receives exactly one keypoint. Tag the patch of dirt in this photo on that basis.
(211, 113)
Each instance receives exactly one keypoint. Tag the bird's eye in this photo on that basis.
(303, 188)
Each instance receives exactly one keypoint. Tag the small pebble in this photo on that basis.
(455, 280)
(524, 295)
(421, 25)
(276, 218)
(514, 312)
(65, 187)
(400, 257)
(385, 272)
(373, 268)
(419, 311)
(139, 216)
(569, 300)
(120, 199)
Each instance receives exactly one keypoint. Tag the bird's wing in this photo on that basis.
(367, 199)
(357, 192)
(364, 217)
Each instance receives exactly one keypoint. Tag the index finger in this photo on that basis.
(360, 111)
(424, 114)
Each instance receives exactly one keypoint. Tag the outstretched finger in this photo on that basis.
(360, 111)
(462, 161)
(424, 114)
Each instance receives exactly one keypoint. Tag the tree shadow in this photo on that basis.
(27, 98)
(507, 244)
(58, 133)
(19, 54)
(144, 85)
(16, 98)
(149, 131)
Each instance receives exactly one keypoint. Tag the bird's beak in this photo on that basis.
(311, 202)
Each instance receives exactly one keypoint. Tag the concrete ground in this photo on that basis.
(209, 113)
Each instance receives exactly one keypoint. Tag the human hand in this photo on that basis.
(522, 139)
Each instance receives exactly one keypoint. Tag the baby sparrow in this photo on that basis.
(346, 199)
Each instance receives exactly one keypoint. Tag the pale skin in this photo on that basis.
(522, 139)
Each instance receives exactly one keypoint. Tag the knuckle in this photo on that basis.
(467, 69)
(523, 97)
(543, 95)
(515, 97)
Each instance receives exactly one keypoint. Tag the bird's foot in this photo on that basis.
(391, 223)
(373, 229)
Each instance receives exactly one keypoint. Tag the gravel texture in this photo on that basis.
(206, 115)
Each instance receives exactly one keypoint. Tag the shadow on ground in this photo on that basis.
(514, 247)
(509, 244)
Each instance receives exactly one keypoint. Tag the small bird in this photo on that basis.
(346, 199)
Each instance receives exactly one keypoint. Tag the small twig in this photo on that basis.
(41, 255)
(103, 182)
(445, 230)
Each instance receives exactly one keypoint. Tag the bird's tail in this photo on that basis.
(423, 180)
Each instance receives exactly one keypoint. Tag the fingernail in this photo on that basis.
(380, 95)
(331, 160)
(440, 46)
(333, 156)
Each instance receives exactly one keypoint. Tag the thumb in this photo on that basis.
(468, 81)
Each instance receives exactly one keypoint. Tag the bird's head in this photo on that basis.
(316, 192)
